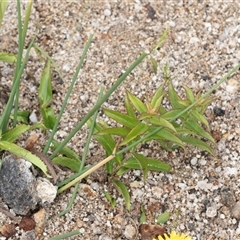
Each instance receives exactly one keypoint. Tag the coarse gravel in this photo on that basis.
(202, 192)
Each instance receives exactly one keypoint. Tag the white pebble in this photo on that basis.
(33, 117)
(107, 12)
(194, 161)
(211, 212)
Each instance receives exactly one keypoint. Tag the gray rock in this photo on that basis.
(17, 185)
(19, 188)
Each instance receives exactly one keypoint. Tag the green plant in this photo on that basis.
(151, 121)
(141, 119)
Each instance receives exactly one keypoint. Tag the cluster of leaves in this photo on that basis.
(153, 121)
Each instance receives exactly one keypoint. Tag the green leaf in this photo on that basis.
(49, 118)
(66, 151)
(23, 153)
(119, 131)
(161, 40)
(122, 189)
(129, 108)
(157, 98)
(111, 199)
(162, 122)
(70, 163)
(143, 163)
(152, 165)
(121, 118)
(197, 129)
(137, 103)
(198, 143)
(22, 116)
(107, 142)
(122, 170)
(201, 118)
(163, 218)
(154, 64)
(3, 7)
(7, 57)
(15, 133)
(45, 88)
(172, 113)
(189, 93)
(174, 98)
(143, 217)
(185, 103)
(134, 133)
(166, 135)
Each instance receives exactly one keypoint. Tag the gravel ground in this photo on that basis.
(202, 192)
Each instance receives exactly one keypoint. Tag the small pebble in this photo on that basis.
(107, 12)
(211, 212)
(130, 231)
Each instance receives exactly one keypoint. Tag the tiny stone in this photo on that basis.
(46, 191)
(194, 161)
(218, 111)
(211, 212)
(129, 232)
(33, 117)
(203, 162)
(107, 12)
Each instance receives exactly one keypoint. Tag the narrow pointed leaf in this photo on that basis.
(121, 118)
(167, 135)
(122, 189)
(143, 163)
(163, 218)
(158, 95)
(153, 165)
(45, 88)
(189, 93)
(185, 103)
(49, 118)
(196, 128)
(172, 113)
(154, 64)
(106, 141)
(119, 131)
(198, 143)
(23, 153)
(111, 199)
(66, 151)
(174, 98)
(201, 118)
(137, 103)
(143, 217)
(15, 133)
(162, 122)
(3, 7)
(137, 131)
(70, 163)
(129, 108)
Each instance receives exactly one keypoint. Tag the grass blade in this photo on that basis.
(122, 189)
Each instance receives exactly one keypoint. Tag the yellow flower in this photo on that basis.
(174, 236)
